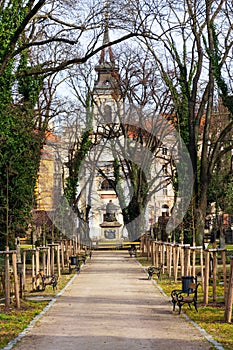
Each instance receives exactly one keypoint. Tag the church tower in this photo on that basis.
(106, 92)
(107, 111)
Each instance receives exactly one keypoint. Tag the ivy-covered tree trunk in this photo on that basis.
(133, 213)
(76, 156)
(20, 142)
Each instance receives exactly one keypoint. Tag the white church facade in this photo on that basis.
(108, 115)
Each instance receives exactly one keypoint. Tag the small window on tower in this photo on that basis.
(106, 82)
(105, 186)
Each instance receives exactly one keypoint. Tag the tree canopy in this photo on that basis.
(189, 44)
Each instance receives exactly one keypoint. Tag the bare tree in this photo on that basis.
(181, 41)
(133, 141)
(38, 39)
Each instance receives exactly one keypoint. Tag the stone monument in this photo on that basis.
(110, 226)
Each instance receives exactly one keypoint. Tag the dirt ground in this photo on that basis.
(111, 305)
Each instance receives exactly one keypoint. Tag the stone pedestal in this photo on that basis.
(110, 231)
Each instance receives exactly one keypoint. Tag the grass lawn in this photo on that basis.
(13, 321)
(210, 317)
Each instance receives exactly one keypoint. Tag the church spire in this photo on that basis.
(106, 53)
(108, 72)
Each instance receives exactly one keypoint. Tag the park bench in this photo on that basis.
(132, 252)
(154, 270)
(188, 295)
(48, 280)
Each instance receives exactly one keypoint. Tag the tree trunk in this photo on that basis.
(200, 224)
(200, 215)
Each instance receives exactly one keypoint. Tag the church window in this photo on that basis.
(107, 114)
(165, 208)
(165, 191)
(105, 186)
(164, 169)
(106, 82)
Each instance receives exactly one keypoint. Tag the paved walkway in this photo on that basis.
(112, 306)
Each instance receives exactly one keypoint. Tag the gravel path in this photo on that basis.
(112, 306)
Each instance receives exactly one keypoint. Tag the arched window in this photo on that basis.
(165, 209)
(108, 114)
(105, 186)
